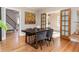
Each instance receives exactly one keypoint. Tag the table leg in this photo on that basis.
(26, 39)
(29, 39)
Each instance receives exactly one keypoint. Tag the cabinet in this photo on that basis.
(43, 20)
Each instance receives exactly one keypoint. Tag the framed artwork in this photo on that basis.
(30, 18)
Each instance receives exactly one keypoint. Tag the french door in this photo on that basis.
(65, 23)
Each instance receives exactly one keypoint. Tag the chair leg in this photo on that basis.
(29, 39)
(46, 42)
(50, 41)
(36, 44)
(41, 44)
(26, 39)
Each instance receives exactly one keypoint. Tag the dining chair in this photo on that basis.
(49, 35)
(40, 38)
(36, 29)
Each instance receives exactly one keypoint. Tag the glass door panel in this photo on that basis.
(62, 32)
(66, 33)
(66, 28)
(62, 23)
(66, 18)
(63, 28)
(63, 18)
(65, 23)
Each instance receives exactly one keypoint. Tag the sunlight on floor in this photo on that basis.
(56, 34)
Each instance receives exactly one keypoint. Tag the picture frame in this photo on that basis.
(30, 18)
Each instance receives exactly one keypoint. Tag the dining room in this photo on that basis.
(39, 31)
(33, 25)
(41, 25)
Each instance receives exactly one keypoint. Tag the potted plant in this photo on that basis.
(2, 26)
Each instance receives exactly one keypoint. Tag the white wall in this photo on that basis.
(38, 19)
(73, 20)
(78, 20)
(3, 12)
(52, 19)
(25, 26)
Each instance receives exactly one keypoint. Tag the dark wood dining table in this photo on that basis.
(30, 32)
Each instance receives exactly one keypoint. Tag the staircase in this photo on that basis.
(10, 23)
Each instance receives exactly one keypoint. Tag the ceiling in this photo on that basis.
(43, 8)
(46, 9)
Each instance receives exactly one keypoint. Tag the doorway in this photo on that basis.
(12, 21)
(54, 23)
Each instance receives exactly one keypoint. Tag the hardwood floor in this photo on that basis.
(13, 43)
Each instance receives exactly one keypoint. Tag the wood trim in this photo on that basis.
(60, 24)
(70, 22)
